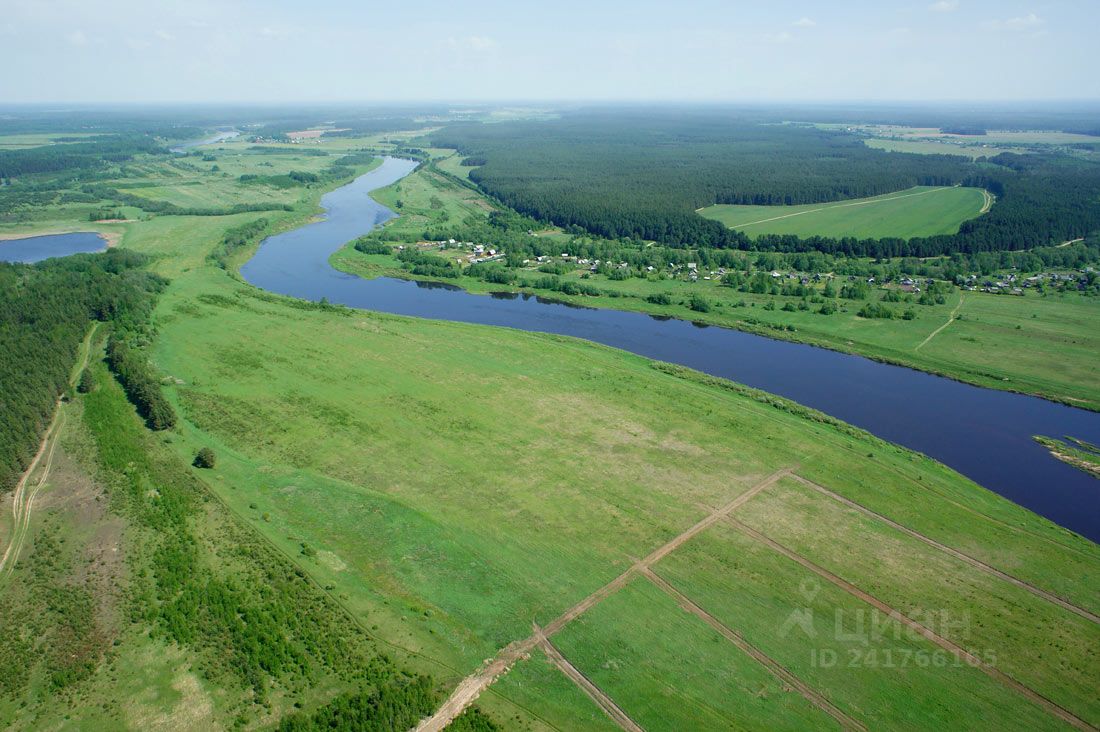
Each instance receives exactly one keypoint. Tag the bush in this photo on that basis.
(205, 458)
(698, 303)
(86, 383)
(659, 298)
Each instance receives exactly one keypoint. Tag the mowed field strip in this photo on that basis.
(919, 211)
(472, 686)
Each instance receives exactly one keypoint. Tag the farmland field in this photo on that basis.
(918, 211)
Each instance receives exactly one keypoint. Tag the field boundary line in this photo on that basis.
(595, 693)
(959, 652)
(734, 637)
(950, 320)
(973, 562)
(471, 687)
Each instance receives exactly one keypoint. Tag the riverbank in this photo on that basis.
(1042, 346)
(1071, 382)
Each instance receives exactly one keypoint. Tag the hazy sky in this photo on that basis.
(701, 50)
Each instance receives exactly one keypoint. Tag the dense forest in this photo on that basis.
(626, 175)
(45, 311)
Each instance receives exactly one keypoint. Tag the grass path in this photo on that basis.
(987, 201)
(846, 205)
(950, 320)
(471, 687)
(738, 640)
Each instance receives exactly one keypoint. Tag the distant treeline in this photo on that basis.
(103, 192)
(45, 311)
(96, 152)
(643, 176)
(1041, 200)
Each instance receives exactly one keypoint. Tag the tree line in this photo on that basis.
(638, 176)
(45, 311)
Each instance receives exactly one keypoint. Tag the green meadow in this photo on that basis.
(919, 211)
(443, 486)
(453, 483)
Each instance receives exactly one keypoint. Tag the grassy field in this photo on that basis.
(449, 485)
(457, 441)
(919, 211)
(937, 147)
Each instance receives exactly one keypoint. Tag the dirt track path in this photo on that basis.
(987, 202)
(738, 640)
(471, 687)
(958, 651)
(950, 320)
(23, 497)
(976, 563)
(843, 205)
(602, 700)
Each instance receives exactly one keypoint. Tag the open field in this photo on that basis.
(992, 137)
(937, 147)
(448, 486)
(23, 141)
(919, 211)
(421, 457)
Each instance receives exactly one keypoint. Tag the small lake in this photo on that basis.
(982, 433)
(37, 248)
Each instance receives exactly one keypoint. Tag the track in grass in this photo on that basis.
(919, 211)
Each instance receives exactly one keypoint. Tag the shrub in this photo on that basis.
(205, 458)
(698, 303)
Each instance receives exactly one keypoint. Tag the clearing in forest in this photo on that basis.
(919, 211)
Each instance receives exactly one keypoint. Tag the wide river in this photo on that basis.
(982, 433)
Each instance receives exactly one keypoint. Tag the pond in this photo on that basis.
(37, 248)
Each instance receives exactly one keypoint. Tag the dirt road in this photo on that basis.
(602, 700)
(762, 658)
(950, 320)
(472, 686)
(26, 490)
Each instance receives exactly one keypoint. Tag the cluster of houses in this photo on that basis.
(1012, 284)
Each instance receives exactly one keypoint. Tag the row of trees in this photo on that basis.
(140, 383)
(96, 153)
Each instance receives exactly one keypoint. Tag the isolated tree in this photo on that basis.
(205, 458)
